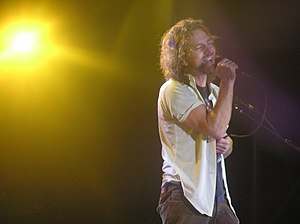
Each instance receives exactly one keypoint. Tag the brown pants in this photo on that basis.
(174, 208)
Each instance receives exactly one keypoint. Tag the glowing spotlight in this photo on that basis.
(23, 42)
(26, 44)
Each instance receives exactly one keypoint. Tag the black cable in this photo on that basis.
(250, 107)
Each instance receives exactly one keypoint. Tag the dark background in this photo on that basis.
(79, 140)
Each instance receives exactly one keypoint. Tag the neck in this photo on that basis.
(201, 80)
(200, 77)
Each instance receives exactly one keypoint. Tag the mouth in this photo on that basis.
(207, 66)
(208, 60)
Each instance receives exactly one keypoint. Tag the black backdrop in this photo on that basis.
(79, 140)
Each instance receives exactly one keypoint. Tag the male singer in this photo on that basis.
(193, 115)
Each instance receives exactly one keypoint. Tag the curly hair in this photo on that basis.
(174, 45)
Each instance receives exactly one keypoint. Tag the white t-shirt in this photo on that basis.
(189, 157)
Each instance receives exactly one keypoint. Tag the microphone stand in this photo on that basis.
(251, 112)
(238, 102)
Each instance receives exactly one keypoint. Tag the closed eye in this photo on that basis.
(199, 47)
(210, 42)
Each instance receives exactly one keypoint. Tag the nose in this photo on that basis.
(209, 49)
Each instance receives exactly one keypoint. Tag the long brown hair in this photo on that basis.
(174, 45)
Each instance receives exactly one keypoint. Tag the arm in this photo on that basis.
(214, 123)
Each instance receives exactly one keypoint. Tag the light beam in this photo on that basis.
(24, 42)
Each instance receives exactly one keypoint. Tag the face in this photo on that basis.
(200, 53)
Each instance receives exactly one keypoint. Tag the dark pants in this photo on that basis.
(174, 208)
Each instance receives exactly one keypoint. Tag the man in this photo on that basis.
(193, 115)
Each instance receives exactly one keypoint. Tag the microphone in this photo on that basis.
(239, 74)
(238, 101)
(209, 69)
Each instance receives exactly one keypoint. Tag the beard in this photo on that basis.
(207, 69)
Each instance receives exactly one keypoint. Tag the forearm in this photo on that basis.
(214, 123)
(218, 118)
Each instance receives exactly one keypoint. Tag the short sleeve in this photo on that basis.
(179, 100)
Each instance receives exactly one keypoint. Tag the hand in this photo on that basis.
(224, 146)
(226, 70)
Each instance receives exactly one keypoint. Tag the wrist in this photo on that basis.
(228, 84)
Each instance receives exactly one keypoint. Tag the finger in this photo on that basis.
(222, 147)
(225, 62)
(220, 151)
(223, 140)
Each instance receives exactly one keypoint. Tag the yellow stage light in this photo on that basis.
(23, 42)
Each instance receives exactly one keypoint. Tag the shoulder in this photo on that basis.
(171, 87)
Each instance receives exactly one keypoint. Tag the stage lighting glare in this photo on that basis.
(26, 44)
(23, 42)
